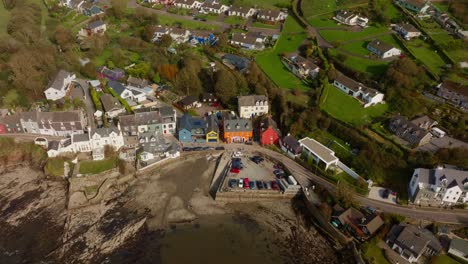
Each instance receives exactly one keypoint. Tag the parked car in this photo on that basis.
(186, 149)
(234, 170)
(267, 185)
(385, 193)
(252, 185)
(257, 159)
(233, 183)
(278, 166)
(237, 154)
(219, 148)
(274, 185)
(246, 183)
(260, 185)
(279, 173)
(241, 183)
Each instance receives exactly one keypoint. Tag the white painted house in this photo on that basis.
(350, 19)
(382, 49)
(441, 185)
(60, 86)
(366, 95)
(242, 11)
(252, 105)
(213, 7)
(188, 4)
(319, 152)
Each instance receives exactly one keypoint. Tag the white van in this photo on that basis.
(437, 132)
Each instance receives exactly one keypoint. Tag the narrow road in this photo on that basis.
(304, 176)
(133, 4)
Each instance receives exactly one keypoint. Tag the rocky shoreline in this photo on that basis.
(123, 219)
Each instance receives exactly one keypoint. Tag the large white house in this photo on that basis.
(351, 19)
(320, 153)
(60, 86)
(252, 105)
(441, 185)
(213, 7)
(366, 95)
(242, 11)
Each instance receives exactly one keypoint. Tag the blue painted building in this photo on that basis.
(191, 129)
(202, 38)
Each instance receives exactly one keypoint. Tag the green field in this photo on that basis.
(336, 144)
(426, 54)
(324, 21)
(97, 166)
(233, 20)
(444, 259)
(342, 35)
(170, 21)
(291, 38)
(373, 67)
(259, 3)
(312, 8)
(347, 109)
(360, 46)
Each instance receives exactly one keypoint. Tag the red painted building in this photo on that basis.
(268, 132)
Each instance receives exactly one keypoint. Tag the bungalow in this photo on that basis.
(213, 7)
(60, 86)
(115, 74)
(236, 62)
(191, 129)
(416, 6)
(407, 31)
(459, 248)
(351, 19)
(408, 131)
(268, 131)
(454, 93)
(367, 96)
(250, 40)
(111, 106)
(127, 93)
(291, 146)
(319, 152)
(94, 28)
(190, 101)
(202, 37)
(241, 11)
(304, 68)
(412, 242)
(382, 49)
(269, 15)
(160, 31)
(212, 129)
(187, 4)
(236, 130)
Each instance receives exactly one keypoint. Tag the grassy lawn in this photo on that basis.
(324, 21)
(444, 259)
(259, 3)
(209, 17)
(169, 21)
(348, 109)
(330, 141)
(263, 25)
(373, 67)
(374, 254)
(233, 20)
(97, 166)
(291, 38)
(312, 8)
(340, 35)
(4, 18)
(54, 167)
(360, 46)
(426, 54)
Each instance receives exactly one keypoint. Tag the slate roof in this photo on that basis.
(59, 120)
(96, 24)
(460, 245)
(344, 14)
(380, 46)
(424, 122)
(416, 3)
(80, 137)
(292, 142)
(235, 124)
(137, 82)
(269, 13)
(408, 27)
(191, 123)
(244, 38)
(212, 123)
(188, 100)
(105, 131)
(412, 239)
(354, 85)
(373, 223)
(240, 63)
(239, 9)
(110, 103)
(59, 80)
(118, 87)
(455, 87)
(53, 145)
(250, 100)
(406, 129)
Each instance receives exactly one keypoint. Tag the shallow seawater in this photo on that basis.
(220, 239)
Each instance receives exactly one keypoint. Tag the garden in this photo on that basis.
(373, 67)
(97, 166)
(291, 38)
(347, 109)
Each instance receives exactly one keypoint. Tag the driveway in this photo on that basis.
(90, 109)
(376, 192)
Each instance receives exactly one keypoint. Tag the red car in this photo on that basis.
(274, 185)
(235, 170)
(246, 183)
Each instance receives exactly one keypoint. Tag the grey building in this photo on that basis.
(408, 131)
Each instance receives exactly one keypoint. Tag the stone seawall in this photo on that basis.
(249, 196)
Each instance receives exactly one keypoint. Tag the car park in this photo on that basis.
(237, 154)
(267, 185)
(232, 183)
(278, 166)
(252, 185)
(246, 183)
(241, 183)
(257, 159)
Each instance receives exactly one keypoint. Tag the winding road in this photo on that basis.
(452, 216)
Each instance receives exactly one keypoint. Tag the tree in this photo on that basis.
(11, 98)
(188, 82)
(119, 7)
(168, 71)
(140, 70)
(225, 86)
(63, 37)
(165, 41)
(344, 195)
